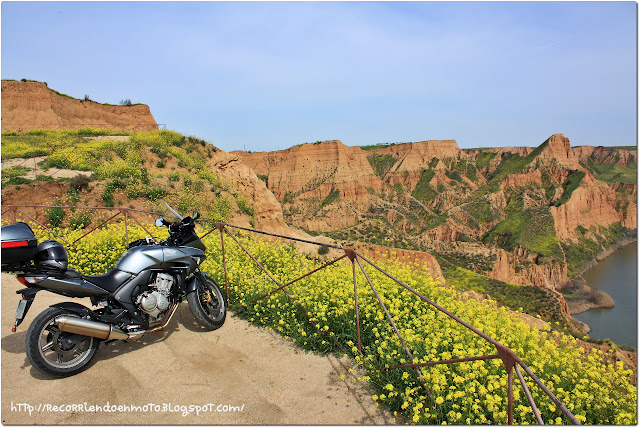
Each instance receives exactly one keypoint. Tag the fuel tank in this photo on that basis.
(140, 258)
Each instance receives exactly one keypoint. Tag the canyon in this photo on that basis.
(532, 218)
(519, 209)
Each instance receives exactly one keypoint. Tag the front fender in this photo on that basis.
(192, 282)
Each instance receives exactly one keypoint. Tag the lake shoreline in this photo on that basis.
(613, 279)
(581, 297)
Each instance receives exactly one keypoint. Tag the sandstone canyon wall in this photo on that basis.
(32, 105)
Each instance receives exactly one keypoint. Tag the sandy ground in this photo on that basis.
(34, 169)
(239, 365)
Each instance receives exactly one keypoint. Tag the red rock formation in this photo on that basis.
(313, 169)
(558, 150)
(521, 180)
(521, 151)
(592, 203)
(32, 105)
(416, 156)
(502, 269)
(605, 155)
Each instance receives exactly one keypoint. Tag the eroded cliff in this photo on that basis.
(32, 105)
(433, 196)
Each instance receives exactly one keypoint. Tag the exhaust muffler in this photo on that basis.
(85, 327)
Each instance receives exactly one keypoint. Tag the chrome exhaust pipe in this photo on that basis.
(85, 327)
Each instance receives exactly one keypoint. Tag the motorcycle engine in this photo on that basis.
(156, 301)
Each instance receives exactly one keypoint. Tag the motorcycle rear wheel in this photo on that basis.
(207, 304)
(55, 352)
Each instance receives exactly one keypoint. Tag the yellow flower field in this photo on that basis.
(464, 393)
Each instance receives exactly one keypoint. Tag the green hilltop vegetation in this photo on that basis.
(136, 172)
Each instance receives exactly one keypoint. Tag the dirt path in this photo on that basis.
(250, 369)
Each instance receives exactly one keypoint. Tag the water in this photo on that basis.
(616, 276)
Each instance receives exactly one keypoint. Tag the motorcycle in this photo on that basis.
(138, 296)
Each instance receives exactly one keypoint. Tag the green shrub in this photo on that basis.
(79, 182)
(80, 221)
(218, 210)
(55, 215)
(245, 206)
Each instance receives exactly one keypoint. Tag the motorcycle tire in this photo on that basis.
(55, 352)
(207, 304)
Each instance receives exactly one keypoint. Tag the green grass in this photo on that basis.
(571, 183)
(612, 173)
(630, 148)
(437, 221)
(381, 163)
(480, 210)
(471, 172)
(483, 159)
(332, 197)
(512, 163)
(379, 146)
(532, 229)
(535, 301)
(423, 190)
(590, 243)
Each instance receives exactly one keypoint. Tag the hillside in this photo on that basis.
(136, 170)
(28, 105)
(521, 215)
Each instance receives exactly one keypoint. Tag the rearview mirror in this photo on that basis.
(160, 222)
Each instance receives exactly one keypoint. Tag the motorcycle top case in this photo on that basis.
(18, 244)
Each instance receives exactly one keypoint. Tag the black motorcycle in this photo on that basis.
(139, 296)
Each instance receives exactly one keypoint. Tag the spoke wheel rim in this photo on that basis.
(211, 301)
(57, 350)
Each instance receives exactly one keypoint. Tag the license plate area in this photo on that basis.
(22, 307)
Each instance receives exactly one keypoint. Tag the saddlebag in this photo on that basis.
(18, 245)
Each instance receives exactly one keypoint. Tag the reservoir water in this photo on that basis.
(616, 276)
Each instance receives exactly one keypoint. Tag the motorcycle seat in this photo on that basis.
(109, 281)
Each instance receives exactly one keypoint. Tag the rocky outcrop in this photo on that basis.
(315, 169)
(592, 203)
(520, 151)
(533, 178)
(502, 269)
(558, 150)
(268, 212)
(602, 154)
(415, 156)
(32, 105)
(441, 196)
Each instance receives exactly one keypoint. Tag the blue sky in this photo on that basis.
(270, 75)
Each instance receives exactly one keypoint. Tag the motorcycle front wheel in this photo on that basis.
(56, 352)
(207, 304)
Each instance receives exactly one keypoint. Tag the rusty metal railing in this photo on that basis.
(511, 362)
(509, 359)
